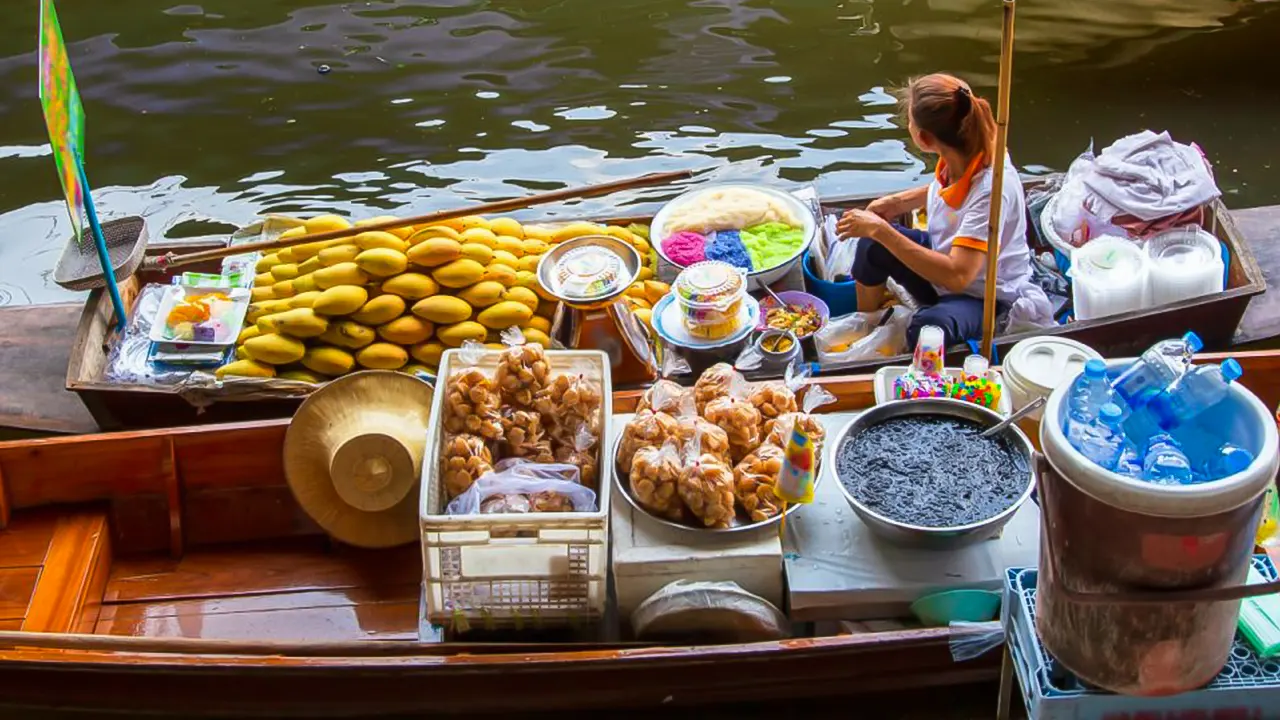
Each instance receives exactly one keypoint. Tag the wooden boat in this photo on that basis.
(171, 571)
(116, 406)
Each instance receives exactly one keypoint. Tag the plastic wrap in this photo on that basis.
(754, 480)
(667, 396)
(706, 487)
(463, 460)
(129, 361)
(740, 420)
(581, 455)
(863, 336)
(542, 483)
(719, 380)
(750, 358)
(471, 404)
(708, 611)
(646, 429)
(969, 640)
(654, 480)
(523, 369)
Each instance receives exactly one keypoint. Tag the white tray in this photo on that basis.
(174, 293)
(885, 377)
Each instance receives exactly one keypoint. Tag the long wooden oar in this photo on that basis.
(994, 223)
(171, 260)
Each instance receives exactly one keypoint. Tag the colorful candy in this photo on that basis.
(914, 386)
(930, 353)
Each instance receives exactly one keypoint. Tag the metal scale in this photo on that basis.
(589, 274)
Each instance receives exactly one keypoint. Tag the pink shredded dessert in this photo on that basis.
(685, 248)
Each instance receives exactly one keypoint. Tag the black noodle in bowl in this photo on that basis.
(932, 471)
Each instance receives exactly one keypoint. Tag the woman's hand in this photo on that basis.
(861, 223)
(888, 207)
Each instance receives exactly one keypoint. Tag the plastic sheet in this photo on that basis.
(130, 359)
(712, 611)
(969, 640)
(863, 336)
(514, 477)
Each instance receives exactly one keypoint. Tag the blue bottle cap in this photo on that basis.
(1236, 460)
(1110, 413)
(1193, 341)
(1095, 368)
(1231, 370)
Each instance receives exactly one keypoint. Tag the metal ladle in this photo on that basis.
(1014, 417)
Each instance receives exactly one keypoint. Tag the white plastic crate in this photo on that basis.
(516, 570)
(886, 376)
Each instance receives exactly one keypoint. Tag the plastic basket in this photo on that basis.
(1247, 687)
(516, 570)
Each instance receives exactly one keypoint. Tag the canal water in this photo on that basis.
(200, 116)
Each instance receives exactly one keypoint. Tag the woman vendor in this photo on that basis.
(944, 269)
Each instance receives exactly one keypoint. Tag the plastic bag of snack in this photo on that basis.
(740, 421)
(523, 436)
(654, 480)
(666, 396)
(464, 458)
(719, 380)
(706, 487)
(544, 485)
(646, 429)
(567, 403)
(778, 431)
(522, 370)
(582, 455)
(754, 479)
(471, 403)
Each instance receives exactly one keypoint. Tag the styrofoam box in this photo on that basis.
(648, 555)
(886, 376)
(508, 570)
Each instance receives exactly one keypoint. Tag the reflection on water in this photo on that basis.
(218, 110)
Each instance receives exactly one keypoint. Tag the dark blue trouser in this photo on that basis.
(959, 316)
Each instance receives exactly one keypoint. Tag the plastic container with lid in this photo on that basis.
(1185, 263)
(1036, 366)
(1109, 276)
(588, 273)
(710, 298)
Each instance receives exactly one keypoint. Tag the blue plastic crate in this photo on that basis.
(1248, 688)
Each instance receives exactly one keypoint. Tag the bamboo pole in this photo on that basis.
(997, 181)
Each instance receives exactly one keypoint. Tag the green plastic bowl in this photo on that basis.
(942, 609)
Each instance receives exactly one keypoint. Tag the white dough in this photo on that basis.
(729, 209)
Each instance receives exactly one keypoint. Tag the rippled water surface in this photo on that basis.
(217, 111)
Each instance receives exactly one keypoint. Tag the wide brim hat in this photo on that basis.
(353, 456)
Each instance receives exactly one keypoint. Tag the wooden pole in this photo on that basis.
(997, 181)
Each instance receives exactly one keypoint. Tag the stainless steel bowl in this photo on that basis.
(627, 275)
(941, 538)
(740, 523)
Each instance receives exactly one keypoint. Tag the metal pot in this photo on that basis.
(940, 538)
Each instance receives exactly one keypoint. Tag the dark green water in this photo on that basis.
(216, 111)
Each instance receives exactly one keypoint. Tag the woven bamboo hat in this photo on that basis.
(353, 456)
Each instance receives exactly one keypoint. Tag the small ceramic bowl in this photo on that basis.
(943, 608)
(794, 297)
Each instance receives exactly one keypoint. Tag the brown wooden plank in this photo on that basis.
(35, 345)
(302, 564)
(26, 540)
(354, 614)
(204, 461)
(236, 515)
(1261, 228)
(65, 590)
(16, 585)
(38, 472)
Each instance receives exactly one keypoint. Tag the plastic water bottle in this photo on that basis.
(1102, 440)
(1193, 393)
(1156, 369)
(1228, 460)
(1165, 463)
(1088, 394)
(1130, 463)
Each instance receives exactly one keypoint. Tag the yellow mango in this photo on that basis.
(274, 349)
(382, 356)
(511, 245)
(646, 273)
(483, 293)
(415, 368)
(529, 263)
(522, 295)
(328, 361)
(482, 235)
(573, 230)
(547, 308)
(300, 323)
(469, 222)
(411, 286)
(635, 290)
(539, 323)
(501, 273)
(292, 232)
(460, 273)
(527, 279)
(454, 335)
(307, 251)
(246, 368)
(621, 233)
(260, 294)
(382, 261)
(325, 223)
(443, 309)
(506, 226)
(285, 254)
(533, 246)
(636, 302)
(283, 289)
(401, 232)
(284, 271)
(340, 300)
(252, 331)
(310, 265)
(533, 335)
(495, 346)
(304, 283)
(428, 353)
(407, 330)
(264, 279)
(654, 290)
(347, 273)
(435, 251)
(506, 258)
(266, 262)
(331, 256)
(642, 247)
(645, 315)
(348, 334)
(379, 310)
(427, 232)
(505, 314)
(302, 376)
(538, 232)
(242, 354)
(480, 253)
(378, 239)
(303, 300)
(259, 310)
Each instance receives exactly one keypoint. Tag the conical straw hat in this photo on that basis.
(353, 456)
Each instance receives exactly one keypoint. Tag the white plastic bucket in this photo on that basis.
(1036, 366)
(1109, 276)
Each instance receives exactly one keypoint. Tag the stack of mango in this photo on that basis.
(397, 300)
